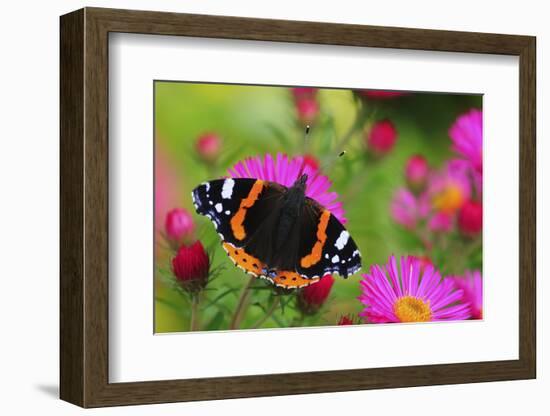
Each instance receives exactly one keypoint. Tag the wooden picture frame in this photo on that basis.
(84, 207)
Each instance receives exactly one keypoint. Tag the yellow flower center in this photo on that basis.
(449, 199)
(412, 309)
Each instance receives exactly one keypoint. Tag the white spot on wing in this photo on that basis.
(335, 259)
(227, 189)
(207, 186)
(227, 212)
(218, 207)
(342, 240)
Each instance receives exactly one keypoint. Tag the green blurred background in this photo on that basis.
(254, 120)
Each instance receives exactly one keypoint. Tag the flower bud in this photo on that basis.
(191, 267)
(312, 297)
(416, 173)
(208, 147)
(380, 94)
(381, 137)
(302, 93)
(178, 225)
(345, 320)
(307, 110)
(470, 218)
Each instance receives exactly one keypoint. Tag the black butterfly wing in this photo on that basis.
(325, 245)
(237, 206)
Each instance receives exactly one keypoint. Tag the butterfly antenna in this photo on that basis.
(306, 142)
(332, 161)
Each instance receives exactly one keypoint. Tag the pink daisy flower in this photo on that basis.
(472, 286)
(407, 209)
(467, 136)
(284, 171)
(410, 295)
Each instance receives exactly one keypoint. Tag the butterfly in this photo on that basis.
(277, 232)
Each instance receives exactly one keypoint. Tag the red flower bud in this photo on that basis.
(208, 147)
(470, 218)
(381, 137)
(304, 93)
(345, 320)
(312, 297)
(416, 173)
(307, 110)
(191, 267)
(178, 225)
(380, 94)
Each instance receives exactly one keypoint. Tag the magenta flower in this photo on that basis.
(449, 188)
(284, 171)
(467, 136)
(472, 285)
(440, 222)
(407, 209)
(410, 295)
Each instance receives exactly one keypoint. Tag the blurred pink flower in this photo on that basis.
(178, 225)
(407, 209)
(470, 218)
(381, 94)
(467, 136)
(307, 110)
(449, 188)
(381, 137)
(284, 171)
(304, 92)
(409, 295)
(472, 285)
(416, 173)
(440, 222)
(208, 147)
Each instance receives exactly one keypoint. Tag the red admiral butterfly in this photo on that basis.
(277, 232)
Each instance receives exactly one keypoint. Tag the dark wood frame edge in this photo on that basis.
(84, 207)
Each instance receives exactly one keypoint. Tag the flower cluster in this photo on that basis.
(448, 197)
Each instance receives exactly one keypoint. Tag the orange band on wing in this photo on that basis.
(242, 259)
(292, 280)
(317, 250)
(238, 219)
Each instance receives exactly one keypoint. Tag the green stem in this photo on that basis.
(243, 300)
(268, 313)
(194, 324)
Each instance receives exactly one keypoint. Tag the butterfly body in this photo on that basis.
(277, 232)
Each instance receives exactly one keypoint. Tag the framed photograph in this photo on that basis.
(256, 207)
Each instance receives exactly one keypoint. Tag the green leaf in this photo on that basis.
(215, 322)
